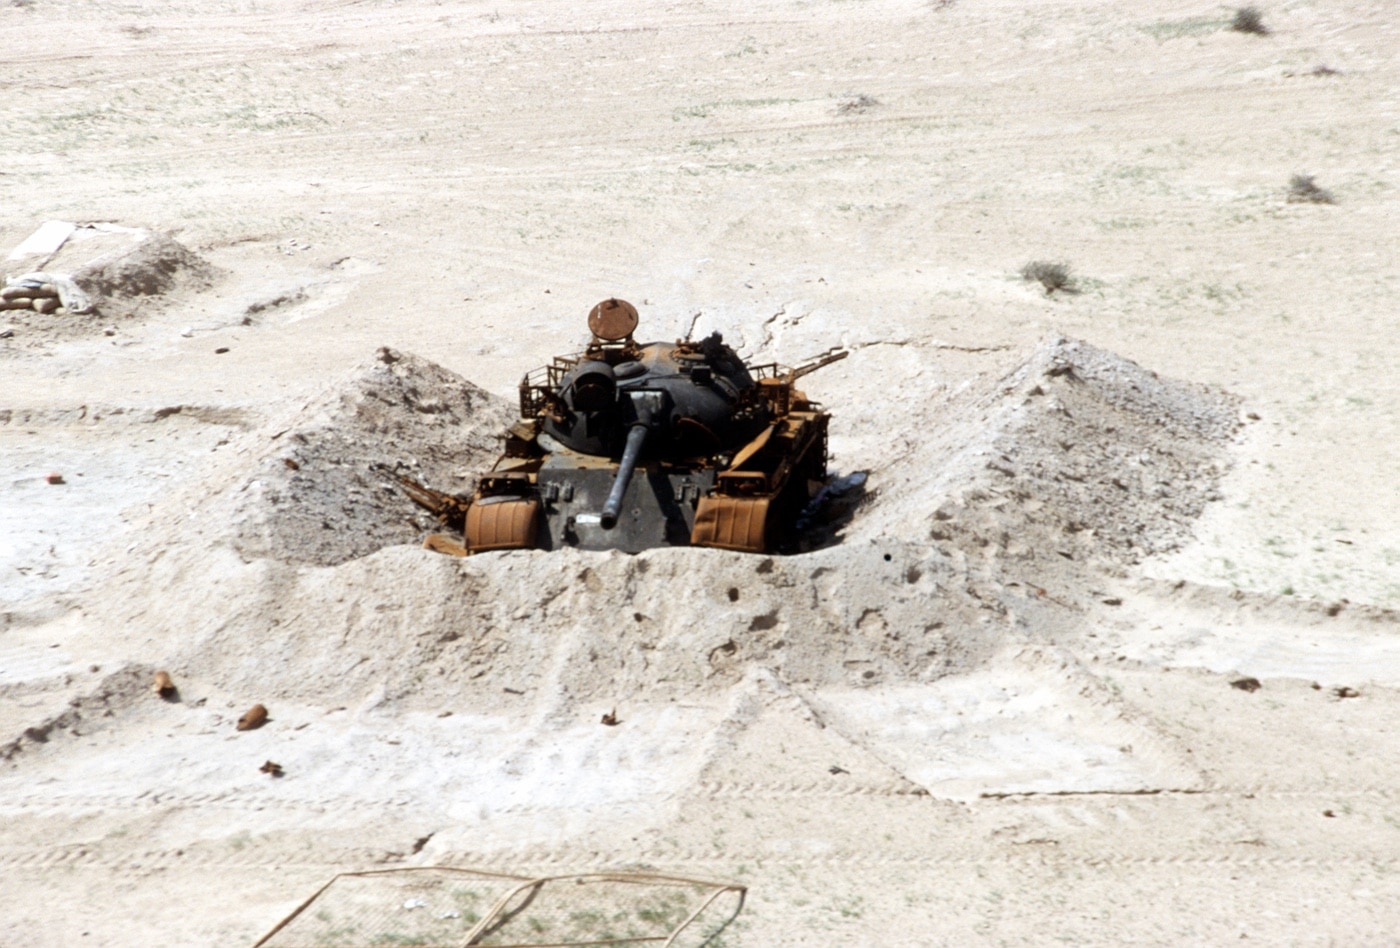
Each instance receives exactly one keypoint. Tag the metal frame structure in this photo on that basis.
(527, 889)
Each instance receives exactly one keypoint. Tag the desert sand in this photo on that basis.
(1108, 654)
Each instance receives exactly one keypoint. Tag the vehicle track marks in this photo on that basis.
(88, 857)
(40, 803)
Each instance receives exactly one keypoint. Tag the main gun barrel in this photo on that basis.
(635, 438)
(821, 361)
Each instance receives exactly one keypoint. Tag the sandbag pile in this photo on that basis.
(40, 297)
(44, 293)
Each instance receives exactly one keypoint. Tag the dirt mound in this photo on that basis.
(150, 266)
(419, 630)
(90, 710)
(120, 270)
(319, 490)
(293, 568)
(1076, 455)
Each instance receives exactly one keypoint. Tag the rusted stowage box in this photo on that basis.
(630, 446)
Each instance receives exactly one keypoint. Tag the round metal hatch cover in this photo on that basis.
(613, 320)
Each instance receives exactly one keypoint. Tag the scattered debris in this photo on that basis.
(271, 768)
(275, 301)
(1343, 691)
(441, 543)
(164, 686)
(835, 769)
(1246, 684)
(254, 718)
(833, 506)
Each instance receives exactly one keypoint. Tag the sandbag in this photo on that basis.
(72, 297)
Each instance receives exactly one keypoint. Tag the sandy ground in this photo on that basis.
(463, 181)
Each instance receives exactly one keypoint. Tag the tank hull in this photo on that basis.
(629, 447)
(749, 506)
(658, 507)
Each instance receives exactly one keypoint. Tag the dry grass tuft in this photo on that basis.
(1302, 189)
(1052, 276)
(861, 103)
(1249, 20)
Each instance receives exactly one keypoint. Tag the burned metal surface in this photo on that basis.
(631, 446)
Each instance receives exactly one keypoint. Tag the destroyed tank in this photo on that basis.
(629, 446)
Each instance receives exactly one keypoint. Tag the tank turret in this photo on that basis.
(631, 446)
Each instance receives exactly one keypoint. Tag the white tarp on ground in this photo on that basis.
(44, 241)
